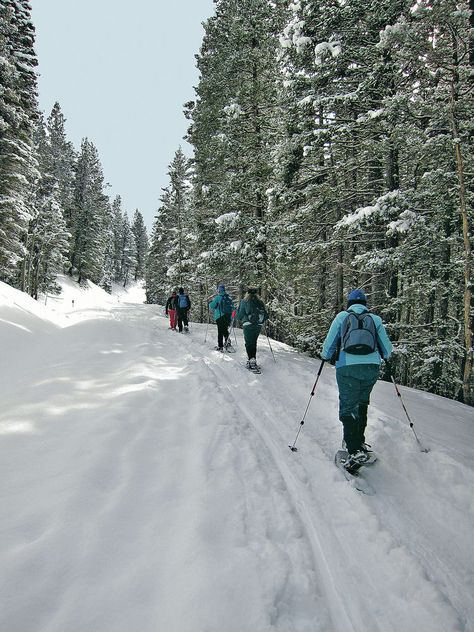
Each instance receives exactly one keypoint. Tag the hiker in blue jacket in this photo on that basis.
(356, 373)
(223, 306)
(183, 307)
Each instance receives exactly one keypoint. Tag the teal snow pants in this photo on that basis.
(355, 383)
(251, 333)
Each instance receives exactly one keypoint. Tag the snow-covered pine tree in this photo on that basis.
(140, 237)
(59, 161)
(169, 262)
(382, 180)
(18, 112)
(117, 229)
(338, 154)
(427, 219)
(128, 252)
(48, 237)
(232, 131)
(155, 270)
(91, 216)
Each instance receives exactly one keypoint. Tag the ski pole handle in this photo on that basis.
(317, 376)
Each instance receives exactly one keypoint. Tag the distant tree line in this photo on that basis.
(333, 148)
(55, 215)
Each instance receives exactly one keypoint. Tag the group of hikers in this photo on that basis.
(251, 312)
(177, 308)
(357, 340)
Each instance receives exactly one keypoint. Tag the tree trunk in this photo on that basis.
(467, 303)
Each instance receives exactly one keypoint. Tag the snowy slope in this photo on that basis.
(147, 485)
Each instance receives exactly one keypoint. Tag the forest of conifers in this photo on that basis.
(331, 148)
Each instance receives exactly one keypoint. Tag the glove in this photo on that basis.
(387, 372)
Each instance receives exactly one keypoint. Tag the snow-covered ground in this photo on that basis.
(146, 485)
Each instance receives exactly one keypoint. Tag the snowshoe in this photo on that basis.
(253, 366)
(342, 459)
(371, 456)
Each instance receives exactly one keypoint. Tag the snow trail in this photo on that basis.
(147, 485)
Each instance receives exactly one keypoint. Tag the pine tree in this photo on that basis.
(156, 291)
(91, 216)
(232, 131)
(18, 112)
(169, 262)
(47, 237)
(60, 163)
(128, 252)
(141, 244)
(117, 230)
(375, 181)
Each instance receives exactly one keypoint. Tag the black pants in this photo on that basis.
(182, 317)
(222, 323)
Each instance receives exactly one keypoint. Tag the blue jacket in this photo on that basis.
(215, 304)
(333, 338)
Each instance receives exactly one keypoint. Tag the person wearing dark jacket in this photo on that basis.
(252, 314)
(183, 307)
(356, 374)
(170, 309)
(222, 306)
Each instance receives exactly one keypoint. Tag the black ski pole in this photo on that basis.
(232, 329)
(268, 340)
(292, 447)
(412, 426)
(208, 321)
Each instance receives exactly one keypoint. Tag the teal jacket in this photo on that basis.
(243, 316)
(333, 338)
(215, 304)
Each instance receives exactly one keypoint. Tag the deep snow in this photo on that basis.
(147, 486)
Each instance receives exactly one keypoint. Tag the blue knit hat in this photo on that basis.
(221, 287)
(356, 295)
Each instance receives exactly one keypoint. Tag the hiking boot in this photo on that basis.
(252, 363)
(218, 348)
(227, 344)
(186, 328)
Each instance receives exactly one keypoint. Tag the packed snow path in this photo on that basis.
(147, 485)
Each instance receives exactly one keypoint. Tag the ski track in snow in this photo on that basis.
(323, 539)
(148, 485)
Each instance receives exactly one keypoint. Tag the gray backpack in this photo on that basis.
(358, 334)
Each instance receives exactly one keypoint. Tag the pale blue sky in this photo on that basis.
(121, 72)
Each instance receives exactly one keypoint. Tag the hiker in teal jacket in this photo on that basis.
(356, 375)
(252, 314)
(223, 306)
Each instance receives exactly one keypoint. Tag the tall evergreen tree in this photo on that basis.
(172, 241)
(128, 252)
(18, 112)
(60, 162)
(91, 216)
(232, 131)
(117, 229)
(141, 244)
